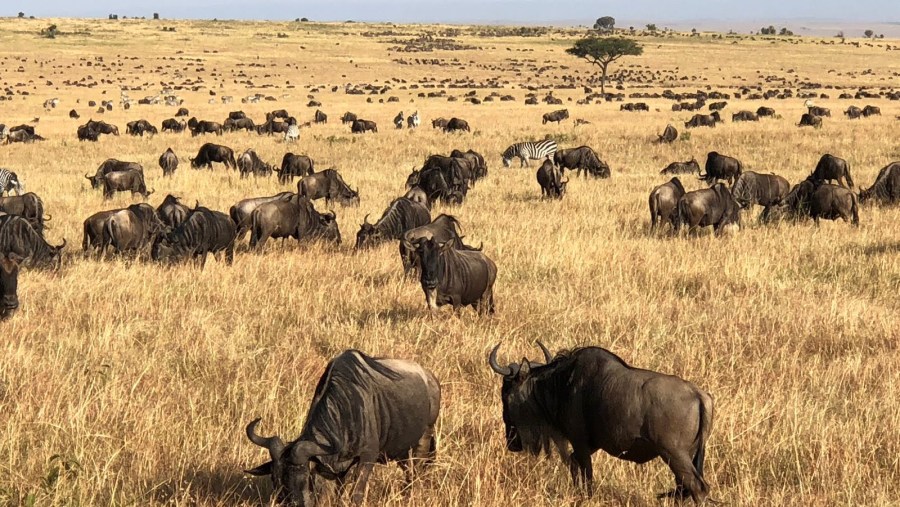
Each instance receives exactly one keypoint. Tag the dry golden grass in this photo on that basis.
(142, 378)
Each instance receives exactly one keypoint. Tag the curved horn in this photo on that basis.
(492, 361)
(366, 219)
(60, 247)
(48, 218)
(331, 214)
(273, 444)
(88, 177)
(547, 355)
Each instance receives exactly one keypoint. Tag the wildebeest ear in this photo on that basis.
(264, 469)
(445, 246)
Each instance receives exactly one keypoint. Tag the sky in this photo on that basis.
(467, 11)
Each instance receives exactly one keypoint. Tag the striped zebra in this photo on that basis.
(292, 134)
(413, 120)
(529, 150)
(9, 182)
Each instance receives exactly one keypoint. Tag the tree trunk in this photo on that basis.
(603, 79)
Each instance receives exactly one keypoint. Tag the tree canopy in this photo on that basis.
(602, 51)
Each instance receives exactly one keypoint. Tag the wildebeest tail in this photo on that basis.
(109, 229)
(706, 421)
(849, 178)
(854, 207)
(231, 159)
(654, 209)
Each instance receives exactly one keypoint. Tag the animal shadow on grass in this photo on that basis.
(218, 486)
(879, 249)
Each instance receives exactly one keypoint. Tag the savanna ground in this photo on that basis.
(127, 383)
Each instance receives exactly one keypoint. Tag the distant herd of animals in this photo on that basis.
(368, 410)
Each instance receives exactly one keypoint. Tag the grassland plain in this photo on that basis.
(125, 383)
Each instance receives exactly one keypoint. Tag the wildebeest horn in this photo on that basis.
(48, 218)
(366, 219)
(60, 247)
(87, 177)
(492, 360)
(273, 444)
(547, 355)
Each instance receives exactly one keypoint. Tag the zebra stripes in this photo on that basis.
(292, 133)
(9, 182)
(413, 120)
(529, 150)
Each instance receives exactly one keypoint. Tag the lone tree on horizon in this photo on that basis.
(604, 51)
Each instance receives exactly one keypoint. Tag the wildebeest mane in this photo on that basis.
(675, 181)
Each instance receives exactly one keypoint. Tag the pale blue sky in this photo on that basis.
(523, 11)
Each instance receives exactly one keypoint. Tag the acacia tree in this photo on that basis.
(604, 51)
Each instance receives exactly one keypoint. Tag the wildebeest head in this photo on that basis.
(368, 234)
(195, 164)
(413, 178)
(514, 394)
(96, 181)
(329, 227)
(9, 281)
(429, 252)
(289, 467)
(348, 197)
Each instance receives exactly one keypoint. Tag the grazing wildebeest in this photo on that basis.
(709, 206)
(764, 189)
(419, 195)
(455, 277)
(232, 125)
(886, 187)
(832, 202)
(457, 171)
(871, 111)
(581, 158)
(831, 168)
(132, 229)
(272, 127)
(22, 136)
(74, 114)
(689, 167)
(250, 163)
(362, 126)
(819, 111)
(320, 117)
(549, 177)
(400, 216)
(125, 181)
(794, 206)
(744, 116)
(700, 120)
(436, 187)
(28, 206)
(140, 127)
(171, 212)
(348, 118)
(182, 111)
(237, 115)
(168, 161)
(86, 133)
(17, 236)
(364, 411)
(439, 123)
(198, 127)
(443, 228)
(668, 136)
(295, 218)
(479, 167)
(664, 202)
(210, 153)
(721, 167)
(810, 120)
(9, 284)
(763, 111)
(853, 112)
(204, 231)
(241, 211)
(457, 124)
(278, 113)
(293, 166)
(173, 125)
(557, 116)
(590, 399)
(111, 165)
(101, 127)
(717, 106)
(330, 185)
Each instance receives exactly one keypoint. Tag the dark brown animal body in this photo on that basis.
(295, 218)
(294, 166)
(479, 167)
(457, 125)
(583, 158)
(763, 111)
(168, 161)
(831, 168)
(442, 229)
(173, 125)
(549, 177)
(871, 111)
(320, 117)
(832, 202)
(125, 181)
(439, 123)
(664, 202)
(668, 136)
(819, 111)
(456, 277)
(111, 165)
(764, 189)
(328, 184)
(348, 118)
(250, 163)
(9, 284)
(362, 126)
(400, 216)
(557, 116)
(689, 167)
(171, 212)
(132, 229)
(710, 206)
(721, 167)
(744, 116)
(231, 125)
(204, 127)
(28, 206)
(203, 232)
(700, 120)
(810, 120)
(19, 238)
(886, 188)
(240, 213)
(210, 153)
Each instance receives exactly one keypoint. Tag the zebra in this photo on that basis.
(9, 181)
(292, 134)
(413, 120)
(398, 120)
(529, 150)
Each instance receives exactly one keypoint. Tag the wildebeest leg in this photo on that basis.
(229, 254)
(359, 489)
(582, 470)
(687, 479)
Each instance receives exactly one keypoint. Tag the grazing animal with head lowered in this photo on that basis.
(210, 153)
(457, 125)
(476, 161)
(763, 111)
(819, 111)
(832, 202)
(295, 218)
(831, 168)
(689, 167)
(721, 167)
(668, 136)
(171, 212)
(400, 216)
(442, 229)
(550, 180)
(362, 126)
(710, 206)
(198, 127)
(320, 117)
(810, 120)
(204, 231)
(580, 159)
(700, 120)
(125, 181)
(18, 237)
(168, 161)
(173, 125)
(28, 206)
(853, 112)
(589, 399)
(10, 182)
(557, 116)
(455, 277)
(537, 150)
(250, 163)
(9, 285)
(433, 182)
(871, 111)
(744, 116)
(664, 202)
(364, 411)
(132, 229)
(330, 185)
(348, 118)
(764, 189)
(294, 166)
(111, 165)
(886, 188)
(439, 123)
(240, 212)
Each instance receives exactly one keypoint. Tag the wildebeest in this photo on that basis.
(28, 206)
(204, 231)
(443, 228)
(295, 218)
(198, 127)
(871, 111)
(457, 124)
(832, 202)
(853, 112)
(86, 133)
(455, 277)
(458, 171)
(364, 410)
(18, 237)
(717, 106)
(74, 114)
(131, 229)
(271, 127)
(9, 284)
(330, 185)
(232, 125)
(439, 123)
(700, 120)
(721, 167)
(479, 167)
(210, 153)
(765, 111)
(241, 211)
(418, 194)
(549, 177)
(293, 166)
(125, 181)
(434, 184)
(250, 163)
(22, 136)
(400, 216)
(557, 116)
(111, 165)
(764, 189)
(139, 128)
(237, 115)
(168, 161)
(709, 206)
(819, 111)
(173, 125)
(668, 136)
(744, 116)
(886, 187)
(590, 399)
(581, 158)
(810, 120)
(182, 111)
(362, 126)
(348, 118)
(101, 127)
(689, 167)
(831, 168)
(320, 117)
(171, 212)
(664, 202)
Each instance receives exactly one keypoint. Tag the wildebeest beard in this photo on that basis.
(534, 408)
